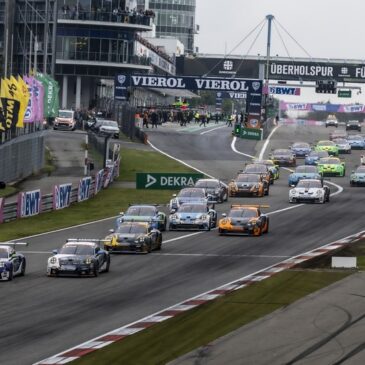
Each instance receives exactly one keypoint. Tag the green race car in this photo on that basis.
(328, 146)
(331, 166)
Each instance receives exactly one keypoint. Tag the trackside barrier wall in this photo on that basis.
(10, 210)
(21, 157)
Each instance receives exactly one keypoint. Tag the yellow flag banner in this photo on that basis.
(25, 96)
(15, 85)
(9, 105)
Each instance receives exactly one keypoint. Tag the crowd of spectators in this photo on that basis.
(119, 15)
(154, 48)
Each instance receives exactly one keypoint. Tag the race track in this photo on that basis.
(42, 316)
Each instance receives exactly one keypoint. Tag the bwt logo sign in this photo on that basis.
(29, 203)
(228, 65)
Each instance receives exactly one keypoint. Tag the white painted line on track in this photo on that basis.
(211, 130)
(182, 237)
(218, 255)
(263, 149)
(233, 146)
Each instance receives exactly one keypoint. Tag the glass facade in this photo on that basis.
(175, 18)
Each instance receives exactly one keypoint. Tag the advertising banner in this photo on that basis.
(282, 90)
(31, 110)
(166, 180)
(61, 196)
(84, 189)
(99, 176)
(39, 96)
(328, 108)
(29, 203)
(2, 200)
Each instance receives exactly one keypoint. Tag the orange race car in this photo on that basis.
(244, 219)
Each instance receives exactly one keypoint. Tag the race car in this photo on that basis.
(314, 156)
(283, 157)
(217, 191)
(343, 145)
(331, 121)
(362, 160)
(195, 216)
(248, 185)
(244, 219)
(357, 176)
(12, 263)
(331, 166)
(356, 141)
(303, 172)
(274, 169)
(312, 191)
(338, 134)
(260, 169)
(133, 237)
(78, 257)
(353, 125)
(328, 146)
(147, 213)
(188, 195)
(300, 149)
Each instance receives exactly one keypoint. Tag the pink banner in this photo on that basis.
(2, 200)
(30, 112)
(39, 94)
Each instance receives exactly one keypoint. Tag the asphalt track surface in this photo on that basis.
(42, 316)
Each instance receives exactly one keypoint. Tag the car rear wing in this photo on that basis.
(250, 206)
(14, 243)
(86, 240)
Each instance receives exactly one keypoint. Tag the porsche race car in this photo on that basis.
(331, 121)
(300, 149)
(328, 146)
(217, 191)
(312, 191)
(303, 172)
(331, 166)
(188, 195)
(343, 145)
(283, 157)
(356, 141)
(133, 237)
(195, 216)
(248, 185)
(357, 176)
(12, 263)
(314, 156)
(244, 219)
(147, 213)
(274, 169)
(338, 134)
(260, 169)
(78, 257)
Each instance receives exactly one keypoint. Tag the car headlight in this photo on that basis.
(204, 217)
(88, 261)
(53, 260)
(2, 264)
(318, 192)
(224, 221)
(174, 216)
(292, 192)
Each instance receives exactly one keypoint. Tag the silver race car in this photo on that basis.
(12, 263)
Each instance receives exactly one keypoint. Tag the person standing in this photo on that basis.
(216, 117)
(203, 120)
(145, 119)
(230, 119)
(154, 119)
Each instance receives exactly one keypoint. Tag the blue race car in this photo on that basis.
(313, 157)
(147, 213)
(188, 195)
(356, 141)
(195, 216)
(12, 263)
(304, 172)
(301, 149)
(357, 177)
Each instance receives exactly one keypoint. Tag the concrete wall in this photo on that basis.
(21, 157)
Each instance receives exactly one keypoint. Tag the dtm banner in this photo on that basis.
(29, 203)
(186, 82)
(2, 200)
(99, 176)
(84, 189)
(61, 196)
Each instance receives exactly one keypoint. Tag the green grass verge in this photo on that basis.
(170, 339)
(134, 161)
(8, 191)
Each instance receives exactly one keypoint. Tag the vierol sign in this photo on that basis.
(166, 181)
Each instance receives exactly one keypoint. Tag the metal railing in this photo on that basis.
(17, 132)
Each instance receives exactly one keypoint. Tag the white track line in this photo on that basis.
(211, 130)
(263, 149)
(233, 146)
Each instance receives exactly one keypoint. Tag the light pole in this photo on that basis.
(269, 19)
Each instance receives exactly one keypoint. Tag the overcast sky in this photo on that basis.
(323, 28)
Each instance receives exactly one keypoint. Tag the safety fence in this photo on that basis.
(32, 203)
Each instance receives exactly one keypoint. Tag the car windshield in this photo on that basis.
(306, 169)
(256, 169)
(141, 211)
(3, 253)
(326, 143)
(77, 249)
(282, 152)
(361, 170)
(355, 138)
(189, 193)
(264, 162)
(353, 122)
(307, 184)
(248, 178)
(207, 184)
(65, 114)
(109, 123)
(193, 208)
(340, 141)
(329, 161)
(301, 145)
(131, 228)
(243, 213)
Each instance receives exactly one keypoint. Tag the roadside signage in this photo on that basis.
(62, 196)
(166, 181)
(2, 210)
(344, 93)
(251, 133)
(29, 203)
(84, 189)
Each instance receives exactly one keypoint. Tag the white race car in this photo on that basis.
(362, 160)
(309, 190)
